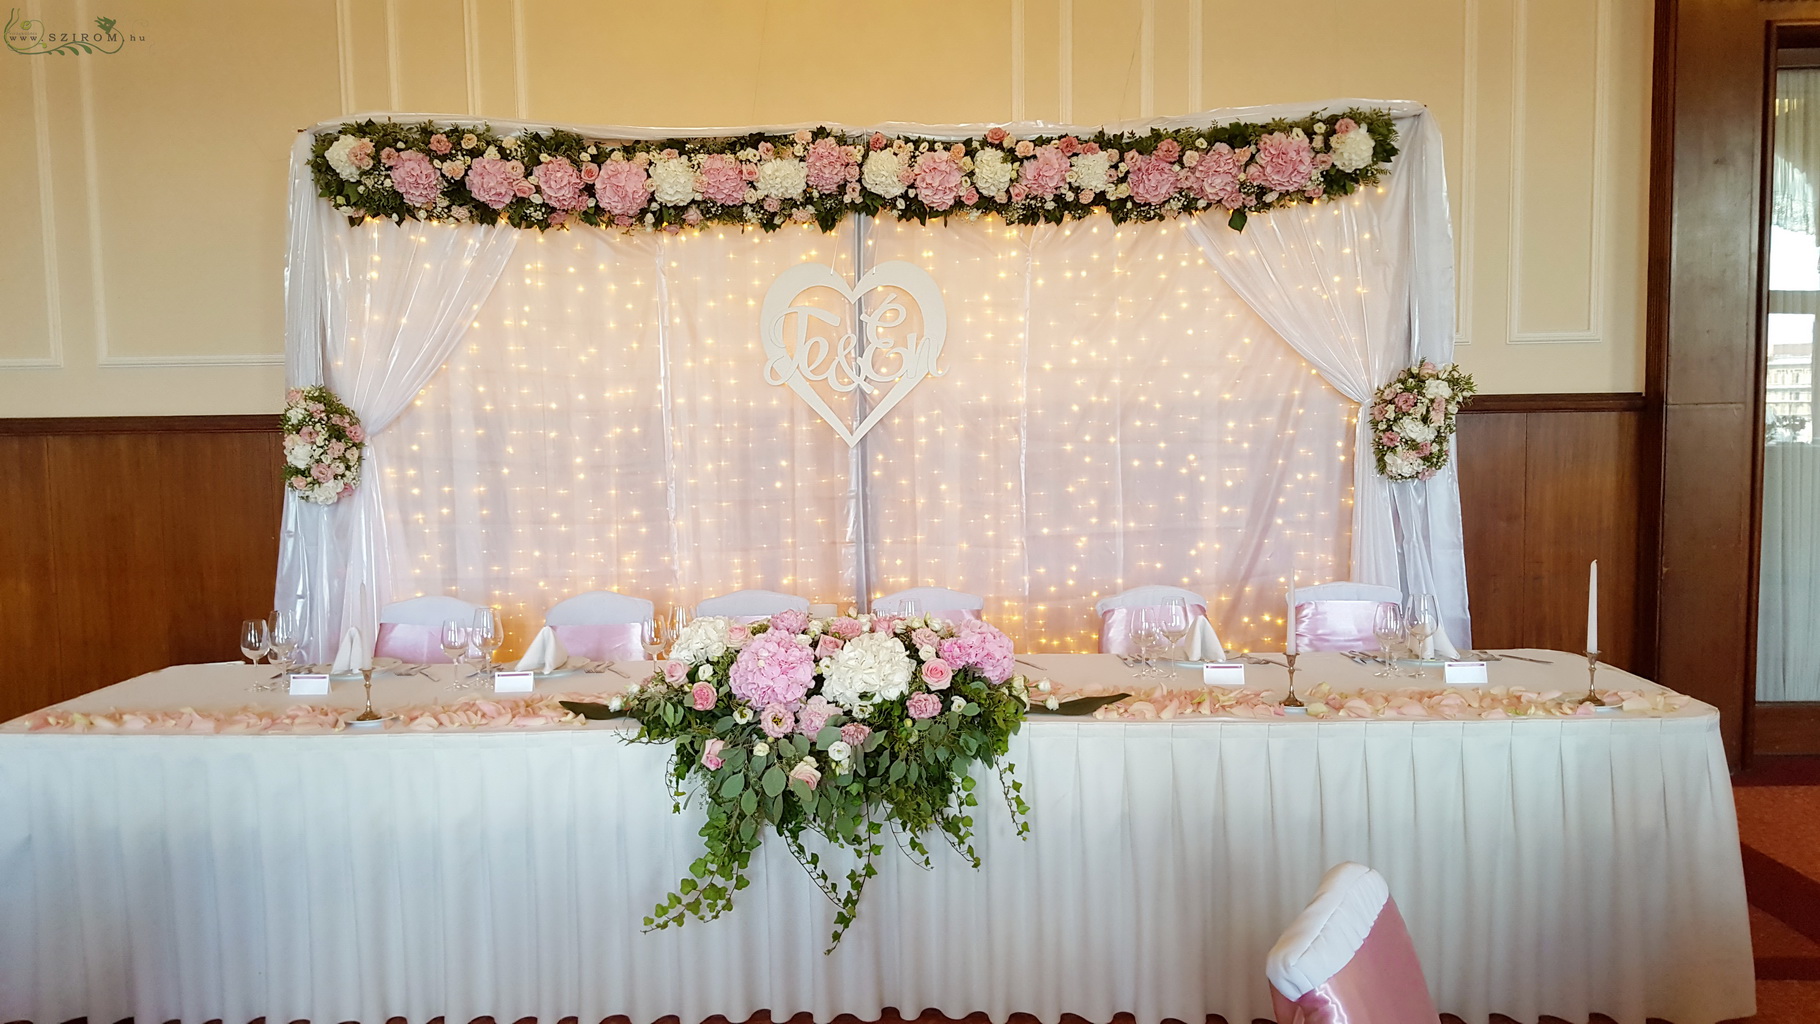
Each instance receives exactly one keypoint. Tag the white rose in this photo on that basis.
(1438, 388)
(1091, 171)
(992, 173)
(956, 703)
(705, 673)
(300, 457)
(673, 182)
(1051, 703)
(1352, 150)
(840, 750)
(339, 159)
(880, 174)
(742, 715)
(872, 666)
(761, 748)
(782, 178)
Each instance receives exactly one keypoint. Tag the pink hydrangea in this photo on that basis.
(561, 183)
(623, 188)
(721, 180)
(846, 627)
(814, 715)
(702, 696)
(710, 754)
(1215, 176)
(982, 647)
(937, 674)
(790, 620)
(494, 181)
(1284, 162)
(1045, 173)
(923, 705)
(939, 180)
(855, 733)
(773, 669)
(416, 178)
(1153, 180)
(830, 166)
(777, 721)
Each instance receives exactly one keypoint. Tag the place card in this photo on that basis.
(309, 684)
(1223, 673)
(1465, 673)
(513, 682)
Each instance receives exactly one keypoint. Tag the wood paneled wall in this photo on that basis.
(130, 544)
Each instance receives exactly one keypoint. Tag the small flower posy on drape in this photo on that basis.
(323, 445)
(555, 178)
(1414, 416)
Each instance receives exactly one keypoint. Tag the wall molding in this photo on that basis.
(47, 225)
(264, 423)
(1591, 401)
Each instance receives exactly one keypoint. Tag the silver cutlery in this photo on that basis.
(1518, 657)
(1031, 664)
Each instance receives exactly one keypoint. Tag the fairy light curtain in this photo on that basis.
(1112, 412)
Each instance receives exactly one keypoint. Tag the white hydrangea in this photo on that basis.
(1352, 150)
(1415, 430)
(702, 640)
(339, 157)
(1090, 171)
(1438, 388)
(872, 666)
(881, 173)
(782, 178)
(992, 173)
(299, 455)
(1399, 467)
(673, 181)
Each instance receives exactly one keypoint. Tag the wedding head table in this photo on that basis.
(175, 847)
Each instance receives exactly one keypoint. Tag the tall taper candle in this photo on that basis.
(1289, 625)
(1592, 608)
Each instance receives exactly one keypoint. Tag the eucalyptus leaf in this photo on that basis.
(592, 712)
(774, 780)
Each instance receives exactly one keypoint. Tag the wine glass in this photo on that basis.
(489, 635)
(1174, 623)
(286, 634)
(1147, 639)
(1421, 620)
(1387, 626)
(454, 641)
(652, 633)
(255, 641)
(910, 608)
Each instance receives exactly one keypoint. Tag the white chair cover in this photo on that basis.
(412, 630)
(1116, 620)
(1347, 958)
(751, 604)
(599, 608)
(429, 611)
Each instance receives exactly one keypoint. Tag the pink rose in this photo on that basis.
(765, 149)
(357, 433)
(827, 645)
(776, 720)
(827, 162)
(995, 135)
(321, 472)
(1018, 192)
(309, 435)
(877, 141)
(293, 396)
(335, 449)
(710, 754)
(495, 182)
(772, 204)
(939, 180)
(971, 196)
(562, 184)
(1389, 438)
(1068, 144)
(590, 171)
(454, 169)
(814, 716)
(361, 154)
(1284, 162)
(1153, 180)
(1044, 174)
(846, 627)
(925, 637)
(1429, 369)
(721, 180)
(1215, 177)
(1026, 148)
(1437, 411)
(1344, 125)
(738, 633)
(852, 193)
(790, 621)
(1424, 449)
(692, 216)
(937, 673)
(440, 145)
(298, 483)
(415, 178)
(1168, 150)
(523, 188)
(855, 733)
(886, 623)
(702, 696)
(923, 705)
(675, 671)
(806, 773)
(1406, 401)
(388, 156)
(623, 188)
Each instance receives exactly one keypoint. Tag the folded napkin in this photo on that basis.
(1438, 646)
(1202, 644)
(353, 655)
(545, 654)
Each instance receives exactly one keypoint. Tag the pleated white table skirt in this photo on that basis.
(1544, 867)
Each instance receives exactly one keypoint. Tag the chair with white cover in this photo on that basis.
(601, 625)
(1347, 958)
(939, 602)
(411, 631)
(1339, 616)
(751, 605)
(1118, 620)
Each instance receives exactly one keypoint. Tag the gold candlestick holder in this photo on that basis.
(1592, 675)
(369, 715)
(1291, 701)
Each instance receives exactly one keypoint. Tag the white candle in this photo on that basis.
(1289, 626)
(1592, 608)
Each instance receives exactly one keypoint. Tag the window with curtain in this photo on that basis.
(1108, 414)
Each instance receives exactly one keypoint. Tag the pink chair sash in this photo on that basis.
(410, 643)
(1332, 625)
(621, 641)
(1381, 984)
(1116, 625)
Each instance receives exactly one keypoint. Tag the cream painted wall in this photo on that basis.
(141, 249)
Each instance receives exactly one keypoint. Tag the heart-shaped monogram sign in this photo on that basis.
(883, 367)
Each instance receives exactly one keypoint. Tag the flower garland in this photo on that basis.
(1413, 416)
(323, 445)
(554, 178)
(842, 727)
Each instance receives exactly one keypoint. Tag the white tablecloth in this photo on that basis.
(1544, 867)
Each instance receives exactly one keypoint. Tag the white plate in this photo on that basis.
(574, 666)
(378, 723)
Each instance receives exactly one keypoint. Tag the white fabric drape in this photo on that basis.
(1362, 288)
(394, 301)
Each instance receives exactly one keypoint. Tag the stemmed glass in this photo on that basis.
(286, 635)
(910, 608)
(1387, 626)
(653, 637)
(1173, 623)
(255, 641)
(454, 641)
(1147, 639)
(489, 635)
(1422, 620)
